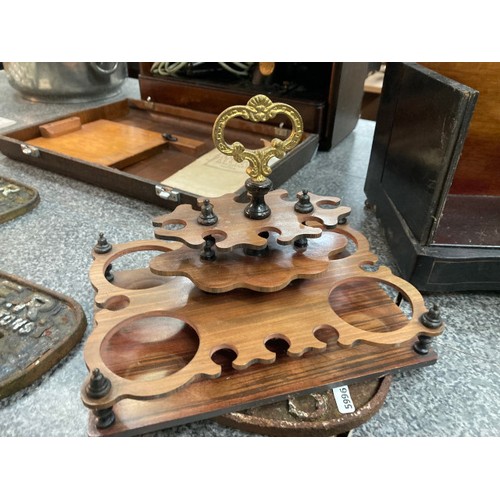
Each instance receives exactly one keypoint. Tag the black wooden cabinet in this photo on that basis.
(444, 235)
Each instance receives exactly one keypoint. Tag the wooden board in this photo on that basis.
(234, 235)
(105, 143)
(262, 384)
(234, 230)
(271, 272)
(179, 328)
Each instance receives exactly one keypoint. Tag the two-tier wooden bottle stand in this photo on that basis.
(244, 304)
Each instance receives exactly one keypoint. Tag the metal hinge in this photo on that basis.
(30, 150)
(167, 193)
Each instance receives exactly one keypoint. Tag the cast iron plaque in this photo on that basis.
(15, 199)
(38, 327)
(332, 412)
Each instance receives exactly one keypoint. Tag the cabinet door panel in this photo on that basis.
(421, 127)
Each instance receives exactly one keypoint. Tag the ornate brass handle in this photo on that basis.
(258, 109)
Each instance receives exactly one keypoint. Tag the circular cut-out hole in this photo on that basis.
(224, 357)
(350, 248)
(216, 234)
(138, 275)
(371, 268)
(371, 305)
(277, 345)
(117, 302)
(174, 225)
(134, 260)
(327, 204)
(149, 348)
(328, 335)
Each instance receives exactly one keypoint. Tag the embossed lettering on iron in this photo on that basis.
(32, 323)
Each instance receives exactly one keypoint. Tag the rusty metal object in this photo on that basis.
(314, 414)
(16, 199)
(38, 327)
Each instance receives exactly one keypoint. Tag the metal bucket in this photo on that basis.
(66, 82)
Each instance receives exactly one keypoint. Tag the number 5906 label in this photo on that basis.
(343, 399)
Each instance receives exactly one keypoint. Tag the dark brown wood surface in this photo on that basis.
(420, 130)
(158, 337)
(140, 179)
(328, 96)
(441, 241)
(470, 221)
(281, 265)
(264, 383)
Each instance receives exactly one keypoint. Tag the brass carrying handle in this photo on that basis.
(258, 109)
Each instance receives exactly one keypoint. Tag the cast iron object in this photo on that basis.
(16, 199)
(207, 216)
(304, 205)
(99, 385)
(314, 414)
(38, 328)
(258, 209)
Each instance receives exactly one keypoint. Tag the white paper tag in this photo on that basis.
(5, 122)
(343, 399)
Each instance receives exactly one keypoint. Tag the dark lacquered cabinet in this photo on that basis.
(434, 178)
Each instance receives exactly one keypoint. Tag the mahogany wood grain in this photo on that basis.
(260, 384)
(271, 272)
(327, 94)
(482, 228)
(215, 100)
(234, 230)
(244, 321)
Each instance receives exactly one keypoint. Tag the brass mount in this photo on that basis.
(258, 109)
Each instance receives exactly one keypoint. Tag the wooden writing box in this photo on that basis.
(121, 147)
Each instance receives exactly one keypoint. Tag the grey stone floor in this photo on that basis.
(458, 396)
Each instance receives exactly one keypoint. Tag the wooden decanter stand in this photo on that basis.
(244, 303)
